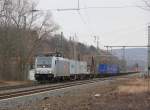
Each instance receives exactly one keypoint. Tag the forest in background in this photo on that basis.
(26, 32)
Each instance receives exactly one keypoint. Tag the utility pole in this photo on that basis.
(25, 20)
(107, 49)
(98, 53)
(124, 59)
(74, 46)
(107, 58)
(79, 4)
(97, 42)
(61, 44)
(148, 51)
(148, 60)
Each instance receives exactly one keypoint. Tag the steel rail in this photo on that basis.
(48, 88)
(11, 87)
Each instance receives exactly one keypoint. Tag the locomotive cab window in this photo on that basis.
(44, 62)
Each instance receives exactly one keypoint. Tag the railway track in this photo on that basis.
(34, 84)
(44, 88)
(3, 88)
(47, 88)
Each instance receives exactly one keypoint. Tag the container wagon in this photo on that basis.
(108, 69)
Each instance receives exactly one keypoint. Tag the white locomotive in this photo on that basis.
(49, 68)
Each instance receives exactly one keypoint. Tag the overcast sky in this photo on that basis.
(114, 26)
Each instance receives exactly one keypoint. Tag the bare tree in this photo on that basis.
(146, 5)
(22, 29)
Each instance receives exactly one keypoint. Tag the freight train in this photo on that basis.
(55, 67)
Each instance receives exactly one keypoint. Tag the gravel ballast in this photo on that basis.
(120, 94)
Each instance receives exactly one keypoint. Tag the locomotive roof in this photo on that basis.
(56, 54)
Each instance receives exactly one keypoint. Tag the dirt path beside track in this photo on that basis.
(122, 94)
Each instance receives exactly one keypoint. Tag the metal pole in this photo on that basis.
(25, 20)
(97, 56)
(107, 49)
(148, 51)
(98, 44)
(107, 57)
(148, 59)
(78, 4)
(61, 43)
(111, 50)
(123, 58)
(110, 57)
(75, 46)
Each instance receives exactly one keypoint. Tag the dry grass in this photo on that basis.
(136, 86)
(120, 95)
(13, 83)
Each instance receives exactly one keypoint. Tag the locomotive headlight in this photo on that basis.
(50, 72)
(37, 72)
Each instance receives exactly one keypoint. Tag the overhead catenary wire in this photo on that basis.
(88, 19)
(97, 7)
(79, 8)
(84, 22)
(82, 19)
(111, 7)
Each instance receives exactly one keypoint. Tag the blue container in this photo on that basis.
(102, 69)
(112, 69)
(108, 69)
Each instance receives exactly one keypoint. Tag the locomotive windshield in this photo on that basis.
(44, 62)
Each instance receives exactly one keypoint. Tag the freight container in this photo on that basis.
(73, 67)
(62, 67)
(112, 69)
(102, 68)
(83, 68)
(78, 67)
(108, 69)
